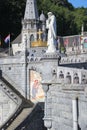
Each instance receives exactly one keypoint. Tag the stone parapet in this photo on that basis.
(59, 105)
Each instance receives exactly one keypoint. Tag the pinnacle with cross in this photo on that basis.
(39, 33)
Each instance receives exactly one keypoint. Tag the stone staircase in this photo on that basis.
(23, 106)
(20, 118)
(34, 120)
(27, 115)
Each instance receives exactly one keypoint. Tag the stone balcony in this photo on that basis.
(71, 76)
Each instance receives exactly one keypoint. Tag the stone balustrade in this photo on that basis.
(71, 75)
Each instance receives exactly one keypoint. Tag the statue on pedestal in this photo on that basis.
(51, 26)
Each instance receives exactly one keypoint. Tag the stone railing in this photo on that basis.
(73, 59)
(71, 76)
(21, 102)
(15, 98)
(13, 83)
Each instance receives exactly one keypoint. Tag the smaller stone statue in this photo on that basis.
(51, 26)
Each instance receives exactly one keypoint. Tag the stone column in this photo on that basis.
(26, 66)
(47, 120)
(75, 113)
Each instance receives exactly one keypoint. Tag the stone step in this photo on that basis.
(20, 118)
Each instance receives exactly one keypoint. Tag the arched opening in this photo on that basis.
(31, 38)
(76, 79)
(61, 75)
(36, 91)
(68, 78)
(84, 80)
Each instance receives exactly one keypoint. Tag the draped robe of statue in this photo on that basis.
(51, 26)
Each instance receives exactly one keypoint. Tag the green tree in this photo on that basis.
(69, 19)
(80, 18)
(63, 3)
(11, 12)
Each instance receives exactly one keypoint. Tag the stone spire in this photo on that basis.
(31, 10)
(30, 22)
(42, 17)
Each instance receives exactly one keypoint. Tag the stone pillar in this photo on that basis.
(47, 120)
(75, 113)
(26, 66)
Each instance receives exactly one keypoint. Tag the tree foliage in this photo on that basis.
(11, 12)
(69, 19)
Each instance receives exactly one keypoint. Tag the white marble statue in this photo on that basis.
(51, 26)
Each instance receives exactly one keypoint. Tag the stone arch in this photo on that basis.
(84, 80)
(31, 59)
(35, 68)
(36, 59)
(62, 61)
(31, 38)
(75, 60)
(79, 61)
(68, 78)
(61, 75)
(76, 79)
(71, 60)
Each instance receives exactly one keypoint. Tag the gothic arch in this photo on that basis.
(31, 38)
(68, 78)
(76, 79)
(84, 80)
(61, 75)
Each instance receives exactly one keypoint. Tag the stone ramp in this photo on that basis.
(24, 106)
(20, 118)
(34, 120)
(27, 116)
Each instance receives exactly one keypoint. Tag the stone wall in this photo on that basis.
(13, 70)
(7, 107)
(16, 70)
(9, 102)
(60, 107)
